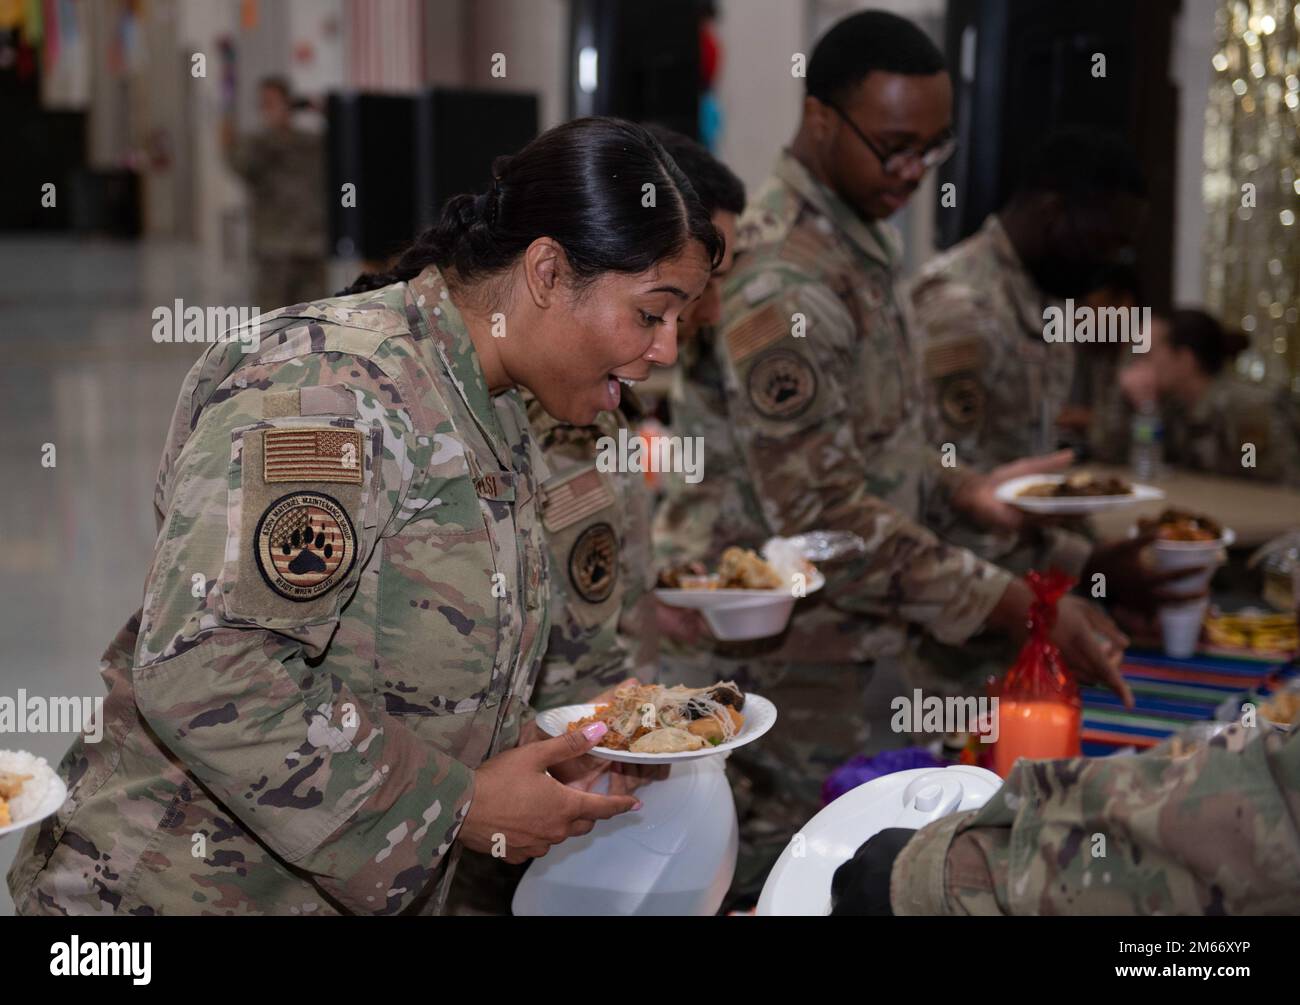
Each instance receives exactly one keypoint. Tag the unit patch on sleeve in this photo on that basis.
(305, 545)
(782, 384)
(593, 563)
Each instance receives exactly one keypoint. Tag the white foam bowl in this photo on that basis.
(1173, 555)
(740, 615)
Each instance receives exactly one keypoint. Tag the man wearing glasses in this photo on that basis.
(825, 406)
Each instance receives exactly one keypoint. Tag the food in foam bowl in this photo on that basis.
(738, 569)
(1182, 526)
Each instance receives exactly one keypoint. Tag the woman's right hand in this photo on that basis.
(519, 811)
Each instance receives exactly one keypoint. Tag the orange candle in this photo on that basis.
(1035, 729)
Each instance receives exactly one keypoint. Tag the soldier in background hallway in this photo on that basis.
(284, 169)
(828, 427)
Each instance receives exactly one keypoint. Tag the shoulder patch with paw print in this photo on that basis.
(305, 545)
(593, 563)
(782, 384)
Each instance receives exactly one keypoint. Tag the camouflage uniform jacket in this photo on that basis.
(996, 386)
(1189, 827)
(285, 173)
(995, 389)
(344, 617)
(598, 531)
(824, 406)
(697, 522)
(1209, 436)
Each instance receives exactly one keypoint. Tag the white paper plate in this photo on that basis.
(1009, 492)
(800, 882)
(54, 797)
(741, 615)
(759, 713)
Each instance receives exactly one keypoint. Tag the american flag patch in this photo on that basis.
(571, 501)
(312, 455)
(756, 332)
(953, 357)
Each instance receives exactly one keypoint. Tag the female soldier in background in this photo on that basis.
(317, 704)
(1210, 416)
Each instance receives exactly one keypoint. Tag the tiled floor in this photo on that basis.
(82, 372)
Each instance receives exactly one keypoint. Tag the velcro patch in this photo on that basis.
(756, 332)
(312, 455)
(279, 404)
(574, 499)
(328, 399)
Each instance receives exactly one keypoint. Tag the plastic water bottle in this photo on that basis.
(1147, 442)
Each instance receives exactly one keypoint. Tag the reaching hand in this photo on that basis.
(1091, 645)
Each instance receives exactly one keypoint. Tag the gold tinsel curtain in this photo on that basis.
(1252, 137)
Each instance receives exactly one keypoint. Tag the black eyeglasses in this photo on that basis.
(932, 156)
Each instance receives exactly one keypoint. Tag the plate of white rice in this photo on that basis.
(41, 794)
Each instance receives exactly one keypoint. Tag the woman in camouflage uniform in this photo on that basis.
(320, 699)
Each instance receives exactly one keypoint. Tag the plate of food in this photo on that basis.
(652, 724)
(750, 596)
(1074, 495)
(30, 790)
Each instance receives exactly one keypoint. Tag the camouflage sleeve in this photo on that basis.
(1064, 549)
(636, 620)
(228, 667)
(806, 461)
(1199, 827)
(952, 325)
